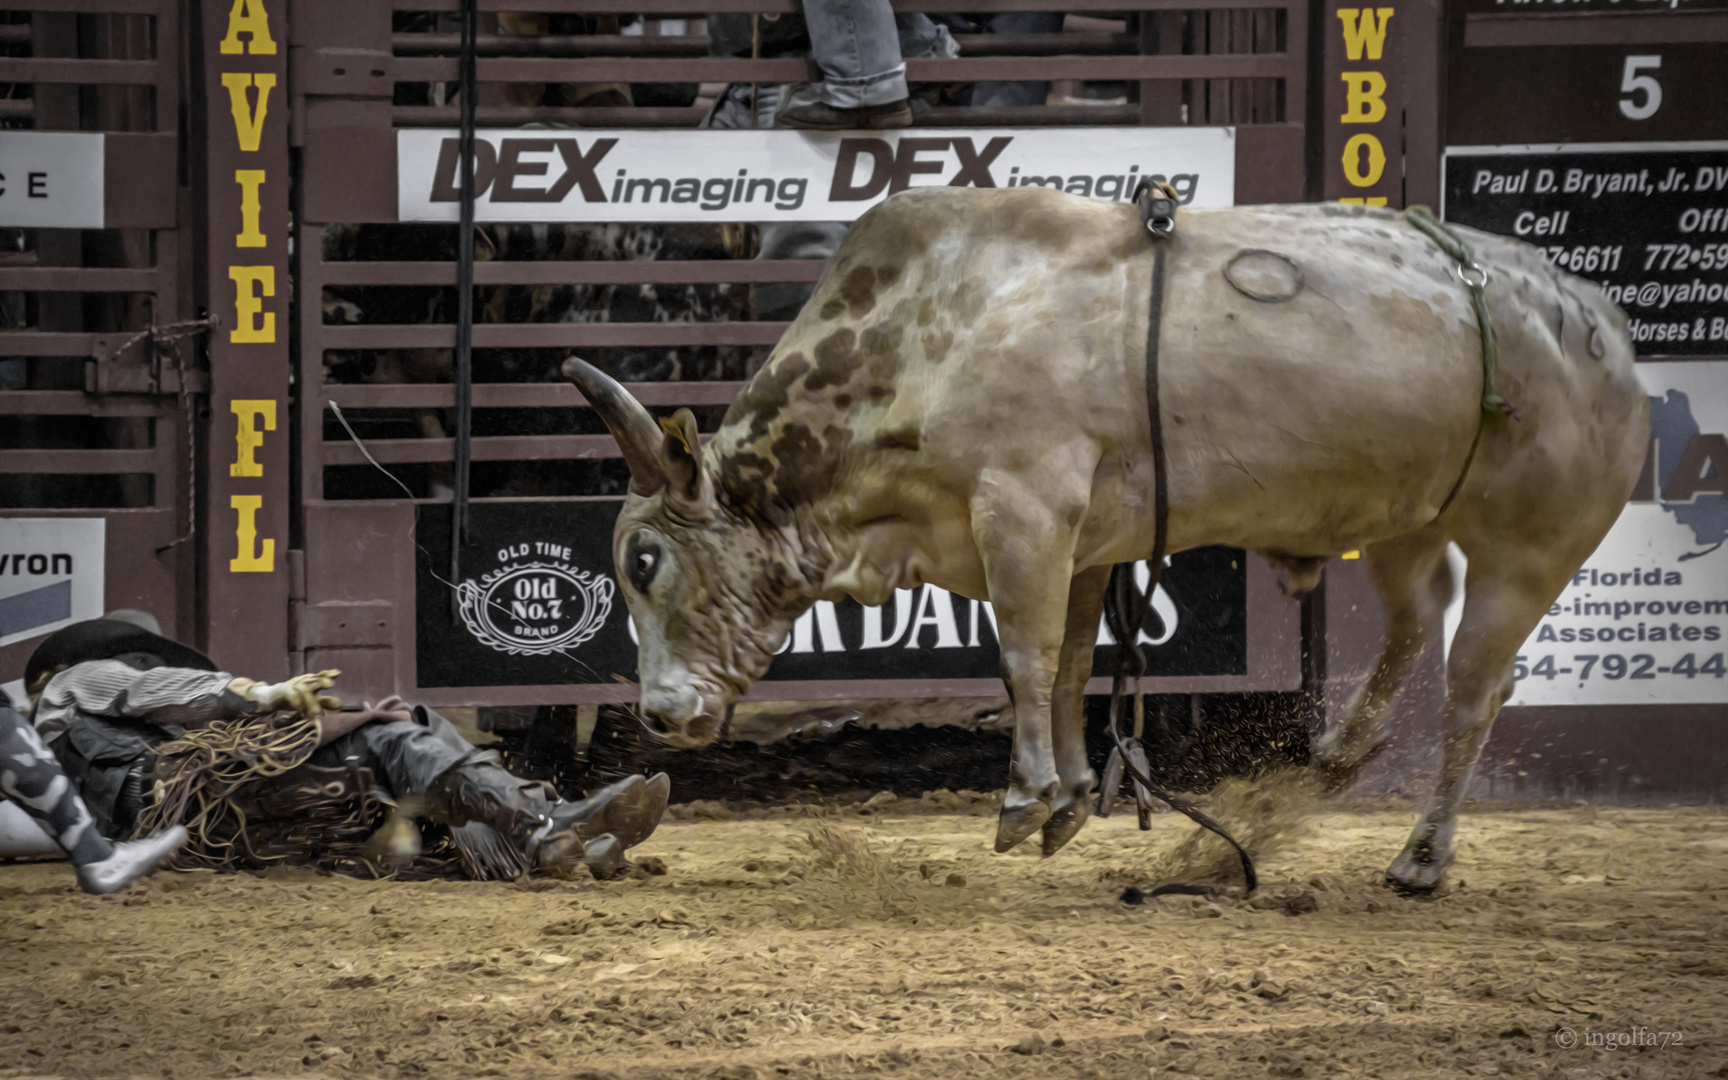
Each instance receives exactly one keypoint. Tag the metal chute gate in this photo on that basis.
(97, 413)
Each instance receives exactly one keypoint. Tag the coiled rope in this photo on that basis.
(198, 775)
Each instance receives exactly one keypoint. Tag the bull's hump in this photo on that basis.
(787, 439)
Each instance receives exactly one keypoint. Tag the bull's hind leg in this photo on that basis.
(1068, 710)
(1415, 586)
(1505, 597)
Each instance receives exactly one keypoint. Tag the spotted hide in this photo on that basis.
(962, 402)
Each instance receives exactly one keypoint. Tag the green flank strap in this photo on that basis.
(1475, 279)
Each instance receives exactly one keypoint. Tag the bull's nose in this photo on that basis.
(654, 723)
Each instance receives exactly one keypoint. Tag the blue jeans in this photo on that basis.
(1006, 22)
(857, 46)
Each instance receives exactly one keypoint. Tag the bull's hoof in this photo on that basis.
(1420, 867)
(1338, 774)
(1414, 880)
(1065, 823)
(1019, 820)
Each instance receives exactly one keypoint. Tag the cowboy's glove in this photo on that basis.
(299, 694)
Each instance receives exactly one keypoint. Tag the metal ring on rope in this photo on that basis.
(1464, 272)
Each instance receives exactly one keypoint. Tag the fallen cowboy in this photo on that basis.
(154, 737)
(1006, 392)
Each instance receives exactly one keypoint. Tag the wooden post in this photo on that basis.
(1362, 100)
(245, 73)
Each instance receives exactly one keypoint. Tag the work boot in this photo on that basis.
(816, 115)
(629, 809)
(130, 861)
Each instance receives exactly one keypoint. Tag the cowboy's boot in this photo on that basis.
(477, 791)
(629, 809)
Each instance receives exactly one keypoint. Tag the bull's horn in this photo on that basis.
(637, 434)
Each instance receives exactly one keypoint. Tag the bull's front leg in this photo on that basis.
(1068, 709)
(1027, 548)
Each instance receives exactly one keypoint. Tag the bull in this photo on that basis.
(962, 402)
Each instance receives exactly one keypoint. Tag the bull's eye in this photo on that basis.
(643, 561)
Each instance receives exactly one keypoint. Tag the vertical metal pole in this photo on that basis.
(755, 54)
(468, 88)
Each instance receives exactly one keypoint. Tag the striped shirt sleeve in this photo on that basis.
(183, 697)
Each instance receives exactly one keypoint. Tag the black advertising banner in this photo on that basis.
(1648, 222)
(538, 605)
(1586, 94)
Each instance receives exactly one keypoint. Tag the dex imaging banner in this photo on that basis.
(780, 175)
(1645, 621)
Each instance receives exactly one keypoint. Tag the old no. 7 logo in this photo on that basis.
(500, 168)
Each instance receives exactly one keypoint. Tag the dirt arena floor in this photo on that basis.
(1579, 942)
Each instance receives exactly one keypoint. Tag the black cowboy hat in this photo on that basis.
(105, 639)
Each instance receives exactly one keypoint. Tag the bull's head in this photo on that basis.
(708, 590)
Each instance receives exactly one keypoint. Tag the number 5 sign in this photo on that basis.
(1634, 108)
(1519, 95)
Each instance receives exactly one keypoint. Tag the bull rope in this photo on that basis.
(198, 775)
(469, 87)
(1475, 278)
(1125, 605)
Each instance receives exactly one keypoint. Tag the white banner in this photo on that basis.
(781, 175)
(51, 574)
(51, 179)
(1645, 621)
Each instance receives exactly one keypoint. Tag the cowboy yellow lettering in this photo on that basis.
(247, 435)
(1363, 34)
(252, 324)
(248, 17)
(1364, 97)
(252, 556)
(1357, 200)
(248, 122)
(1360, 172)
(250, 180)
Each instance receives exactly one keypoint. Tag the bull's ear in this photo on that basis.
(626, 419)
(681, 460)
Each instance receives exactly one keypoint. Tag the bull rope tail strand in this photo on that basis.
(456, 590)
(166, 337)
(469, 87)
(1125, 605)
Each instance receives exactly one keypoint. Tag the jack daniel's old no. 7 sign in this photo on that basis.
(538, 606)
